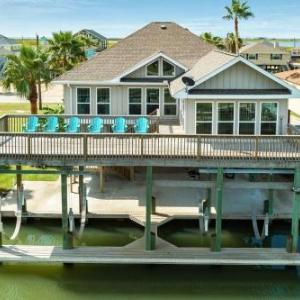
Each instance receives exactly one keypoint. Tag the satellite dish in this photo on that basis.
(188, 81)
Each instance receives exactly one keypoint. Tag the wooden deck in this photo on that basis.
(133, 254)
(155, 149)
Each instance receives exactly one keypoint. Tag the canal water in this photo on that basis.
(113, 282)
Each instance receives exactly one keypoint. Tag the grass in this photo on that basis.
(7, 180)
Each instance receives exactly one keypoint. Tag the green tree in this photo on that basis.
(213, 39)
(237, 11)
(230, 42)
(67, 50)
(24, 71)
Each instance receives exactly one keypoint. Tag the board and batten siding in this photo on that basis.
(190, 114)
(239, 76)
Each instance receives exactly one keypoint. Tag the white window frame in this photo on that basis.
(128, 93)
(229, 122)
(146, 93)
(245, 122)
(205, 122)
(164, 103)
(277, 116)
(90, 92)
(146, 69)
(97, 103)
(162, 68)
(255, 54)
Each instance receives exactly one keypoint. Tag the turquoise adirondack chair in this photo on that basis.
(31, 125)
(141, 125)
(73, 125)
(119, 125)
(96, 125)
(51, 125)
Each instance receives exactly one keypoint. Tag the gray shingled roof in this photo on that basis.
(262, 47)
(175, 41)
(212, 61)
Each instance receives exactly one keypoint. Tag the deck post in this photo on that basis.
(67, 236)
(208, 194)
(295, 211)
(149, 235)
(219, 203)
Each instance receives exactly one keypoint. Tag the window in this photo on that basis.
(103, 101)
(168, 69)
(225, 118)
(204, 118)
(135, 101)
(276, 56)
(252, 56)
(152, 100)
(83, 101)
(153, 69)
(269, 118)
(247, 113)
(170, 104)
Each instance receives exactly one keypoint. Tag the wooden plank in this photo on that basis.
(163, 255)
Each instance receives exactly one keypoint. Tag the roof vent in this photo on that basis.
(163, 26)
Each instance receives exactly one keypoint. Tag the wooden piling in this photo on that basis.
(67, 236)
(219, 203)
(149, 235)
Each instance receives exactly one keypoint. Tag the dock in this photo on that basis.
(165, 253)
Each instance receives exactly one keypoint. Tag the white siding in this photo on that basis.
(239, 76)
(190, 114)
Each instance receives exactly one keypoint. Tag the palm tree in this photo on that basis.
(230, 42)
(238, 11)
(213, 39)
(67, 50)
(23, 72)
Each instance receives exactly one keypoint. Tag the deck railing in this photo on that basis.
(14, 123)
(69, 147)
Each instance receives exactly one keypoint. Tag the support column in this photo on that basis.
(67, 235)
(19, 178)
(101, 179)
(270, 197)
(149, 235)
(81, 189)
(219, 204)
(208, 193)
(295, 212)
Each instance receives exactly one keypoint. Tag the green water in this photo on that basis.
(143, 282)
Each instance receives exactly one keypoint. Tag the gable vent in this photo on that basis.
(163, 27)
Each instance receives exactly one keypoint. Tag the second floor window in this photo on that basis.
(103, 101)
(153, 69)
(135, 101)
(276, 56)
(168, 69)
(252, 56)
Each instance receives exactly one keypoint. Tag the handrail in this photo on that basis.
(86, 146)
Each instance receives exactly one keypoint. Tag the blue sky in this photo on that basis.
(118, 18)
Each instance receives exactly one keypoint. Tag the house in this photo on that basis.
(295, 58)
(145, 73)
(92, 34)
(6, 42)
(267, 55)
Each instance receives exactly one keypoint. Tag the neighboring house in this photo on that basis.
(145, 72)
(92, 34)
(295, 58)
(7, 43)
(267, 55)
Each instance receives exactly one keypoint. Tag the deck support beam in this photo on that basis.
(101, 179)
(81, 189)
(295, 212)
(149, 235)
(67, 235)
(219, 204)
(270, 197)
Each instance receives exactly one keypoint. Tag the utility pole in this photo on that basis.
(39, 80)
